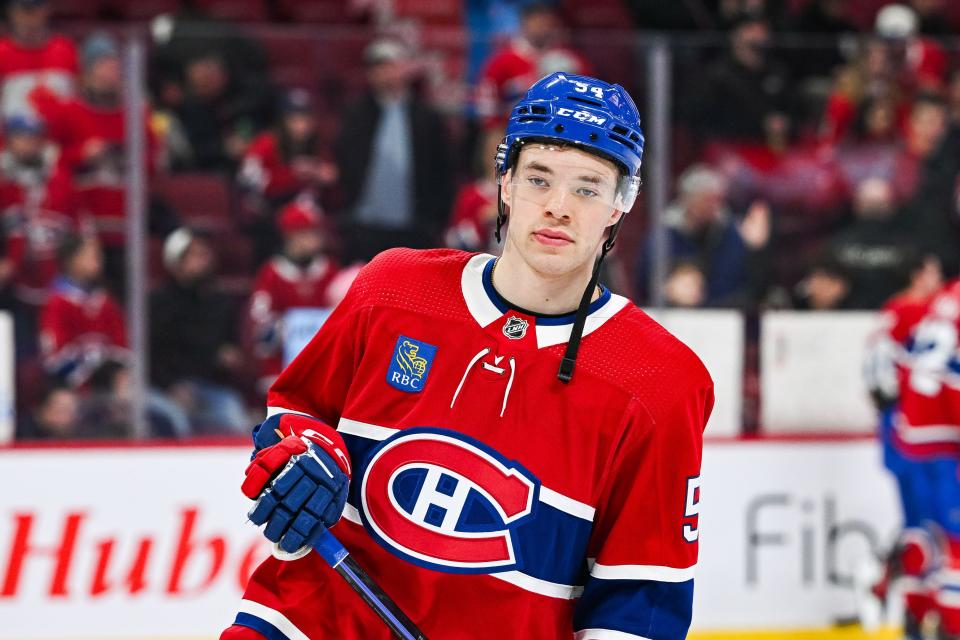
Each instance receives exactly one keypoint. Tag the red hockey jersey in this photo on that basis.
(511, 70)
(79, 330)
(279, 286)
(53, 65)
(74, 124)
(38, 209)
(489, 499)
(929, 420)
(265, 171)
(474, 217)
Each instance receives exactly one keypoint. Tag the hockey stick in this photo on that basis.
(337, 556)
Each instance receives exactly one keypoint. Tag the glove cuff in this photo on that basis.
(313, 431)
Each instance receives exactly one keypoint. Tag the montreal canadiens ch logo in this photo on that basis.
(445, 501)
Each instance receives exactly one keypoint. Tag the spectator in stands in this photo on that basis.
(302, 275)
(394, 160)
(927, 172)
(921, 62)
(701, 229)
(686, 286)
(873, 250)
(55, 417)
(744, 89)
(198, 61)
(90, 131)
(107, 407)
(536, 51)
(824, 288)
(475, 207)
(38, 207)
(31, 56)
(281, 165)
(876, 122)
(81, 325)
(193, 352)
(220, 114)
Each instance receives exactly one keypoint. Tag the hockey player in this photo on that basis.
(887, 372)
(923, 431)
(510, 450)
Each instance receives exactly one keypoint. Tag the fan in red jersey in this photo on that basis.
(38, 207)
(31, 56)
(81, 325)
(534, 53)
(90, 131)
(520, 446)
(302, 275)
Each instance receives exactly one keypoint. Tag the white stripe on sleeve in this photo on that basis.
(274, 617)
(641, 572)
(605, 634)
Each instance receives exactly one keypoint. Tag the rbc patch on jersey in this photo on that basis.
(410, 364)
(445, 501)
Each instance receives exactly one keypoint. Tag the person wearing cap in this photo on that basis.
(394, 158)
(31, 56)
(194, 355)
(90, 130)
(38, 208)
(300, 275)
(282, 164)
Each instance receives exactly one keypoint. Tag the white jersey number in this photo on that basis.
(691, 533)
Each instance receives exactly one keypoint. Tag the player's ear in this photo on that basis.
(505, 186)
(614, 217)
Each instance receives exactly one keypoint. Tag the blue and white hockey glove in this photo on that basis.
(300, 485)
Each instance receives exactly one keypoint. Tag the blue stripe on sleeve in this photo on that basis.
(259, 625)
(655, 610)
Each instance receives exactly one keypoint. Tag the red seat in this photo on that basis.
(141, 9)
(237, 10)
(430, 12)
(202, 200)
(323, 11)
(76, 10)
(597, 14)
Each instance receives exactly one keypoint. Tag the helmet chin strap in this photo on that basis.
(565, 374)
(501, 213)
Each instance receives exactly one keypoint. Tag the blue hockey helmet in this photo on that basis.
(583, 112)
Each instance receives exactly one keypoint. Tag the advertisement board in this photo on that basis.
(811, 371)
(153, 542)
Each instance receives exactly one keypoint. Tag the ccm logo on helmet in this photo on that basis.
(582, 116)
(445, 501)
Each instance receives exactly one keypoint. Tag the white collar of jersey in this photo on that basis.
(291, 272)
(485, 305)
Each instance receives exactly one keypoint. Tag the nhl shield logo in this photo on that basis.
(515, 328)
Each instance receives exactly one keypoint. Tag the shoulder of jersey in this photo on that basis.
(425, 280)
(647, 360)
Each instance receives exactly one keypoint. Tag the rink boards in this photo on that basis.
(149, 542)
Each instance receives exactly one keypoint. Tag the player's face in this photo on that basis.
(561, 203)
